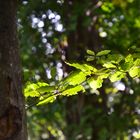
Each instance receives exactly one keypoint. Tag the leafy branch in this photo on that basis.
(108, 66)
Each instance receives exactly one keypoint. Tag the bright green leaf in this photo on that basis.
(76, 78)
(73, 90)
(82, 67)
(137, 62)
(32, 93)
(134, 71)
(103, 76)
(40, 84)
(116, 76)
(109, 65)
(95, 83)
(129, 58)
(107, 7)
(47, 100)
(44, 89)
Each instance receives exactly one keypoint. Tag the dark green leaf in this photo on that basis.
(104, 52)
(90, 52)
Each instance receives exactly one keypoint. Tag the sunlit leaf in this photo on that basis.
(104, 76)
(107, 7)
(30, 90)
(137, 62)
(109, 65)
(73, 90)
(95, 83)
(116, 76)
(75, 78)
(47, 100)
(44, 89)
(35, 89)
(134, 71)
(31, 87)
(129, 58)
(32, 93)
(40, 84)
(82, 67)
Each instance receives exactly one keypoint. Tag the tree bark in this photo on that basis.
(12, 113)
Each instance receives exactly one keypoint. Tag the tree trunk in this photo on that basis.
(12, 113)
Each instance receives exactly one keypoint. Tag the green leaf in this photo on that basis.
(34, 86)
(134, 71)
(90, 58)
(31, 87)
(47, 100)
(109, 65)
(30, 90)
(44, 89)
(116, 76)
(35, 90)
(95, 83)
(73, 90)
(82, 67)
(75, 78)
(104, 52)
(41, 84)
(90, 52)
(107, 7)
(137, 62)
(115, 58)
(129, 58)
(32, 93)
(125, 66)
(104, 76)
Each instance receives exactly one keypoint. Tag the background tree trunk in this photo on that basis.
(12, 113)
(79, 40)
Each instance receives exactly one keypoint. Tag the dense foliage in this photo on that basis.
(85, 48)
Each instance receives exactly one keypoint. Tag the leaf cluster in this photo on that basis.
(112, 66)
